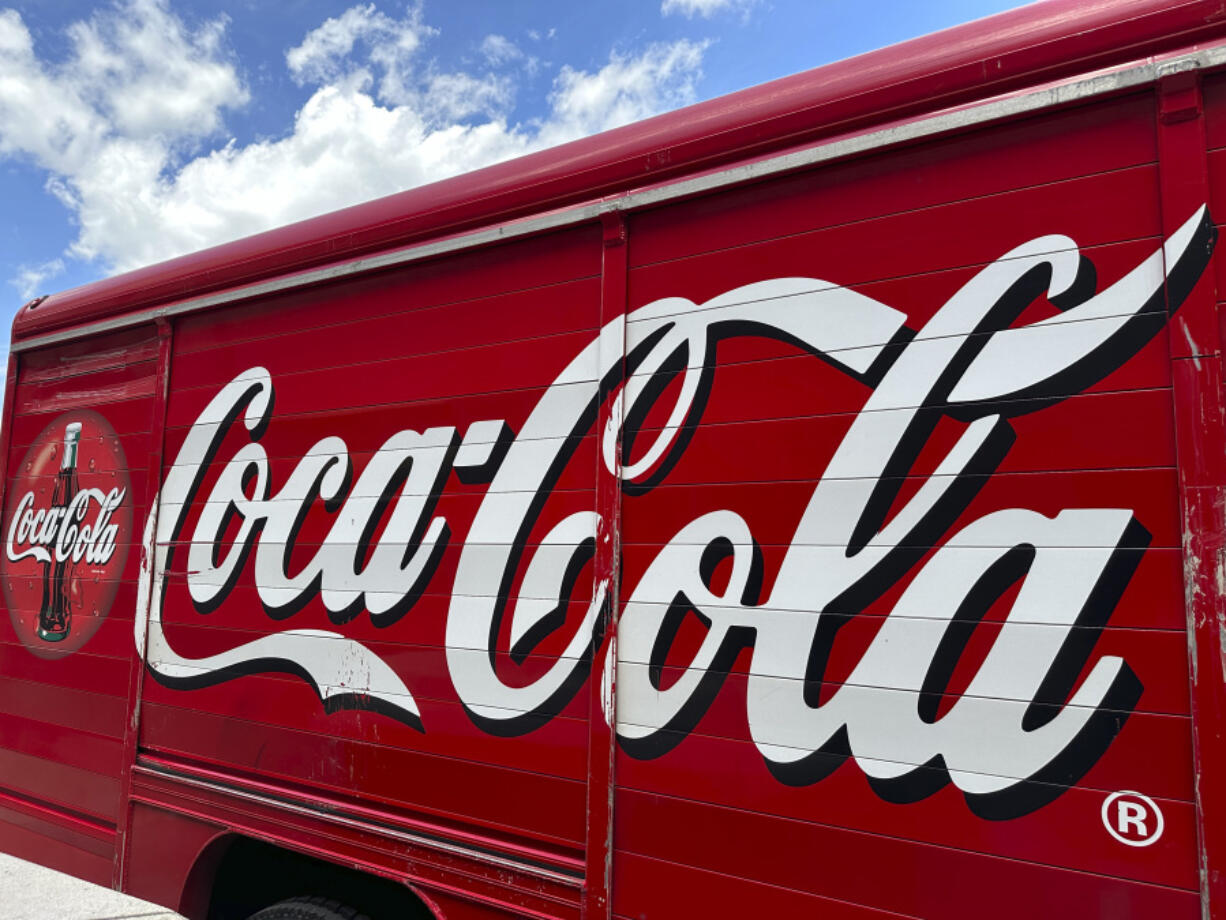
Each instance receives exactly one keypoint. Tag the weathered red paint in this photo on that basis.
(136, 676)
(376, 727)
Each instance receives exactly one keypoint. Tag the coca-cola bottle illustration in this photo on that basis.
(55, 614)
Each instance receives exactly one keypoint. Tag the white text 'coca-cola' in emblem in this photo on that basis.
(67, 529)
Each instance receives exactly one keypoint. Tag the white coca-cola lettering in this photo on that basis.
(63, 533)
(404, 474)
(1010, 741)
(841, 557)
(341, 670)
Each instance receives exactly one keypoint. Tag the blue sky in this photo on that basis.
(135, 130)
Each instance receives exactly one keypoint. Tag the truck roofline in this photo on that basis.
(845, 107)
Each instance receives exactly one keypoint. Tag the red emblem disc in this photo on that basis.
(67, 529)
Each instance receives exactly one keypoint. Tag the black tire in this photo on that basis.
(308, 909)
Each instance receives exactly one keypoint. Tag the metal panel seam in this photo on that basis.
(334, 817)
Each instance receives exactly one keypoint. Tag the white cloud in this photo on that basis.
(151, 77)
(138, 89)
(455, 96)
(135, 72)
(703, 8)
(626, 89)
(498, 49)
(326, 53)
(502, 53)
(148, 177)
(322, 50)
(30, 278)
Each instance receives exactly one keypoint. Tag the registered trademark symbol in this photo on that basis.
(1132, 818)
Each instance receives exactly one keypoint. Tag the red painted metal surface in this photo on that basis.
(1199, 410)
(136, 677)
(891, 489)
(602, 686)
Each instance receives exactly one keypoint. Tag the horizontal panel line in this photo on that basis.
(173, 623)
(556, 872)
(929, 209)
(1056, 322)
(884, 912)
(553, 714)
(364, 452)
(188, 350)
(416, 752)
(898, 838)
(176, 396)
(859, 285)
(556, 712)
(99, 827)
(401, 357)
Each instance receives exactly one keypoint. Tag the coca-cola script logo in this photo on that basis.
(67, 530)
(1024, 728)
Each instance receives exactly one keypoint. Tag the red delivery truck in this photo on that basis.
(810, 503)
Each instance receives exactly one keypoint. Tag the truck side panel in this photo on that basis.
(65, 702)
(398, 366)
(840, 543)
(780, 445)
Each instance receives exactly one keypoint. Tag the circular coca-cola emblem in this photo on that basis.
(67, 529)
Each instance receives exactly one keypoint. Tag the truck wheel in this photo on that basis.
(308, 909)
